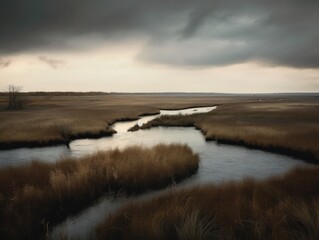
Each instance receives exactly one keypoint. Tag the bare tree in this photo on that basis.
(14, 99)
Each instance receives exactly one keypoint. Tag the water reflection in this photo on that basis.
(50, 154)
(123, 127)
(217, 163)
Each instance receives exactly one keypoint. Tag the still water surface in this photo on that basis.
(81, 147)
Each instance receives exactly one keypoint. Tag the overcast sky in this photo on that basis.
(152, 45)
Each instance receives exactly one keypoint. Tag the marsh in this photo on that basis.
(212, 130)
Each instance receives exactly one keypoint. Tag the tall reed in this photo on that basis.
(37, 195)
(279, 208)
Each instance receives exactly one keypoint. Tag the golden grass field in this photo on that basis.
(288, 126)
(281, 208)
(37, 195)
(85, 114)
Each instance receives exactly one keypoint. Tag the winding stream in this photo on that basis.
(218, 163)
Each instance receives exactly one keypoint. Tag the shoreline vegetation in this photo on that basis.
(285, 207)
(61, 139)
(38, 195)
(307, 154)
(85, 115)
(282, 124)
(286, 128)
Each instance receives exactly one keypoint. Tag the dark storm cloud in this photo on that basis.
(179, 32)
(53, 63)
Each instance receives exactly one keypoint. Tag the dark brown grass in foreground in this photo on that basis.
(38, 194)
(281, 208)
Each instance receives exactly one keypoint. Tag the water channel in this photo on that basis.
(218, 163)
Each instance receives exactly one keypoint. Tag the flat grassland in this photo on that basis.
(45, 116)
(288, 126)
(37, 195)
(282, 123)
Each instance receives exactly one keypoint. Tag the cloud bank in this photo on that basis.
(184, 33)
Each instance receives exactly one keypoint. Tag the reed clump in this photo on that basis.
(37, 195)
(280, 208)
(170, 121)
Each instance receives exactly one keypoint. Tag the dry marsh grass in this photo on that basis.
(287, 125)
(170, 121)
(280, 208)
(88, 115)
(290, 127)
(40, 194)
